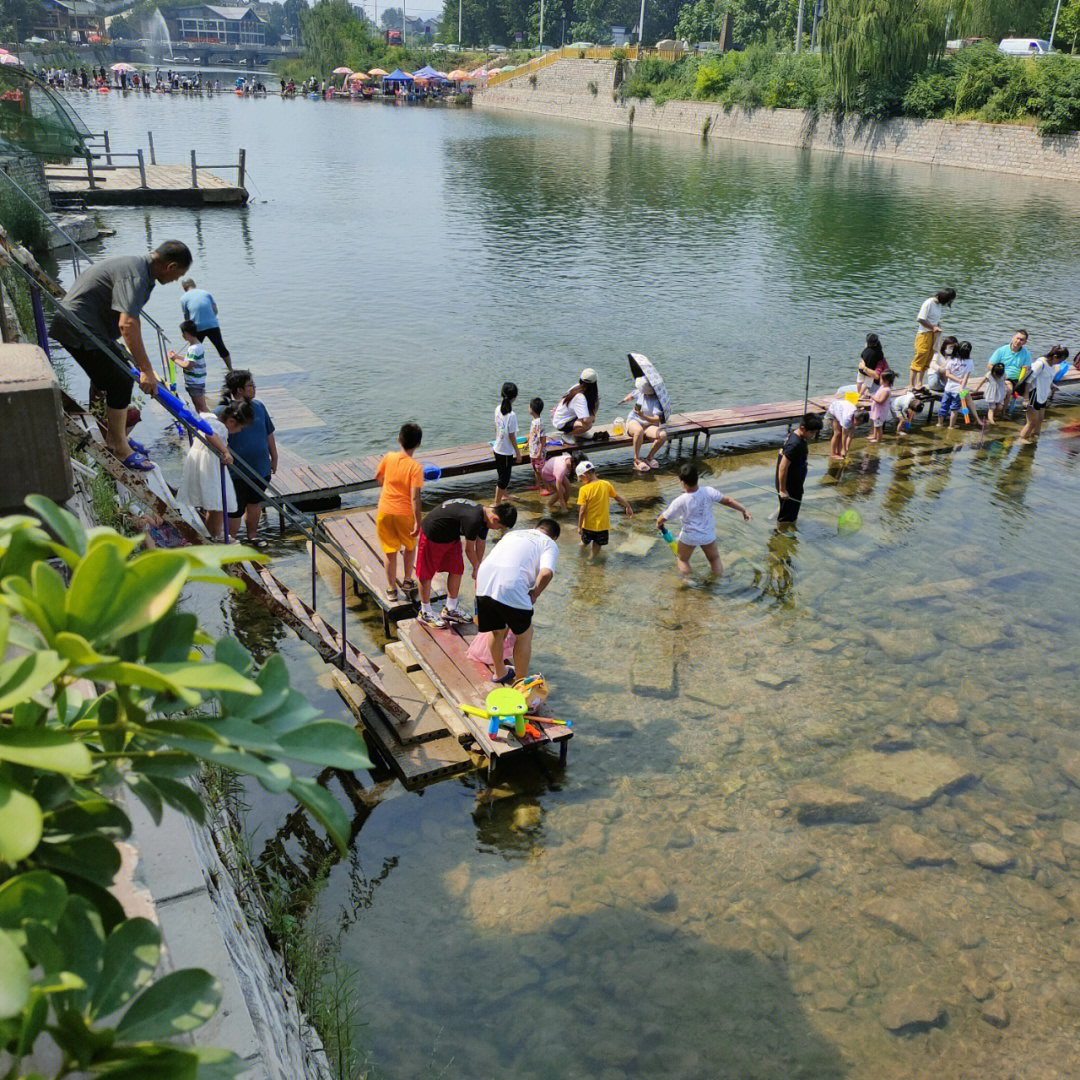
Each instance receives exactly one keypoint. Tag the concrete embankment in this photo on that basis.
(584, 90)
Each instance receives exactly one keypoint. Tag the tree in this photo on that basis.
(873, 43)
(1068, 28)
(292, 10)
(18, 14)
(71, 962)
(996, 19)
(391, 17)
(120, 28)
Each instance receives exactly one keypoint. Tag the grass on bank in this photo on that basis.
(978, 82)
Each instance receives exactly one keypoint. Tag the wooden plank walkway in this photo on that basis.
(166, 185)
(441, 653)
(354, 532)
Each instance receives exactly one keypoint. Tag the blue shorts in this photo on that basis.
(950, 402)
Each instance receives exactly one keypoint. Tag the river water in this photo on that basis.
(678, 902)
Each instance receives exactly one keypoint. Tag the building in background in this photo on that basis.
(207, 23)
(71, 21)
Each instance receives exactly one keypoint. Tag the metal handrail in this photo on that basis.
(326, 543)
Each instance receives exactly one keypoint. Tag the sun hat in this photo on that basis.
(584, 467)
(588, 375)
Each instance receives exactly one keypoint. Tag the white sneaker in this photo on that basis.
(432, 619)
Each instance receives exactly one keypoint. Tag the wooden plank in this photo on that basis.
(423, 723)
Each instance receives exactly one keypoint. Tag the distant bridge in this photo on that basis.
(209, 54)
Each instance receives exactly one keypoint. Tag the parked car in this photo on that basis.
(1016, 46)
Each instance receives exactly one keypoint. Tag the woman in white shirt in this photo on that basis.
(576, 411)
(1041, 380)
(505, 447)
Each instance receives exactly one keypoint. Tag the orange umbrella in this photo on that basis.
(377, 73)
(359, 76)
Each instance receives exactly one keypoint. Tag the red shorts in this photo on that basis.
(433, 558)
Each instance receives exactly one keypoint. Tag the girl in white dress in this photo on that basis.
(201, 485)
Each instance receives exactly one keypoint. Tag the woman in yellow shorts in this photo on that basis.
(929, 324)
(397, 519)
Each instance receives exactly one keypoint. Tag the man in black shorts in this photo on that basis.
(439, 549)
(200, 307)
(107, 298)
(508, 583)
(791, 469)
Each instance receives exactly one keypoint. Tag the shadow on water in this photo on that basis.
(604, 994)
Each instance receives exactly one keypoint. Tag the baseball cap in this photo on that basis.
(588, 375)
(584, 467)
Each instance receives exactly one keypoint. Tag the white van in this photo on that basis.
(1023, 46)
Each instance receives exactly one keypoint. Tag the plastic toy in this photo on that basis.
(534, 689)
(671, 541)
(431, 472)
(504, 707)
(177, 407)
(618, 427)
(965, 412)
(549, 720)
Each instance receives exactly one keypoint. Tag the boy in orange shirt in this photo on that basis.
(397, 519)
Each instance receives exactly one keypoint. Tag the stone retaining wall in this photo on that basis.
(565, 90)
(28, 172)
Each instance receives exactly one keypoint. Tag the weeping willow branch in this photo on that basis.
(881, 39)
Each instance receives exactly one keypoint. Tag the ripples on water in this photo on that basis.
(657, 911)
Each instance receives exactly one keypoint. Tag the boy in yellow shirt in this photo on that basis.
(594, 508)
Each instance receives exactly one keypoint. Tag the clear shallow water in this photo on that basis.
(658, 910)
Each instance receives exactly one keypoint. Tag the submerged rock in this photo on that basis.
(527, 817)
(796, 924)
(995, 1013)
(1036, 900)
(979, 988)
(1069, 764)
(814, 803)
(1070, 833)
(906, 645)
(944, 711)
(908, 779)
(911, 1009)
(915, 850)
(993, 858)
(906, 919)
(798, 866)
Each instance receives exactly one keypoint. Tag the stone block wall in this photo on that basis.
(565, 90)
(28, 172)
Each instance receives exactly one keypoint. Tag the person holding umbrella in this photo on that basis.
(651, 409)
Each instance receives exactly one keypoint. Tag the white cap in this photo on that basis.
(584, 467)
(588, 375)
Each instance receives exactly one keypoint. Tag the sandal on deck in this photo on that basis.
(393, 595)
(138, 447)
(137, 462)
(641, 466)
(506, 680)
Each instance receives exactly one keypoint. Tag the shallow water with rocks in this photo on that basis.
(821, 817)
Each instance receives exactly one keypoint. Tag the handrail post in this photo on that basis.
(343, 607)
(153, 156)
(194, 171)
(108, 154)
(142, 170)
(242, 167)
(90, 170)
(224, 505)
(314, 578)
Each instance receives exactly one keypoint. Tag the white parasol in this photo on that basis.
(641, 367)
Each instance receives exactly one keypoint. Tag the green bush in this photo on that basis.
(929, 94)
(80, 609)
(23, 222)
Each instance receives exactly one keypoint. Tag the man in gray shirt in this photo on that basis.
(107, 299)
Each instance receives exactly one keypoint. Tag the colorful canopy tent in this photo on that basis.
(342, 71)
(429, 73)
(457, 75)
(398, 76)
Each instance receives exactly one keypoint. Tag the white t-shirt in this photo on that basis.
(577, 409)
(513, 565)
(842, 411)
(1041, 378)
(536, 433)
(957, 367)
(695, 510)
(505, 432)
(995, 390)
(900, 405)
(929, 312)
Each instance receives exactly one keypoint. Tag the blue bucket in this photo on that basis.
(431, 472)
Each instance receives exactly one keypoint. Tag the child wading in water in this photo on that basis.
(879, 406)
(397, 519)
(995, 391)
(537, 439)
(958, 369)
(194, 364)
(694, 509)
(594, 509)
(506, 448)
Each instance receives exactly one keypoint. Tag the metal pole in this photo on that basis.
(459, 22)
(1053, 29)
(343, 608)
(798, 27)
(142, 170)
(806, 391)
(90, 171)
(108, 154)
(194, 172)
(153, 157)
(540, 42)
(224, 505)
(242, 168)
(314, 578)
(39, 320)
(640, 27)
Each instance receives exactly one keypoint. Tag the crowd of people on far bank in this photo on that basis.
(160, 82)
(107, 300)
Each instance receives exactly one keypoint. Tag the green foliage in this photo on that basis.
(753, 22)
(23, 221)
(79, 608)
(995, 19)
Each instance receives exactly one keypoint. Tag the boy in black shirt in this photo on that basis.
(791, 468)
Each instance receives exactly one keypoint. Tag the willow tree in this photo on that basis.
(1002, 18)
(881, 40)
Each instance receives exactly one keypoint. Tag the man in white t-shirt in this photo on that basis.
(928, 325)
(517, 570)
